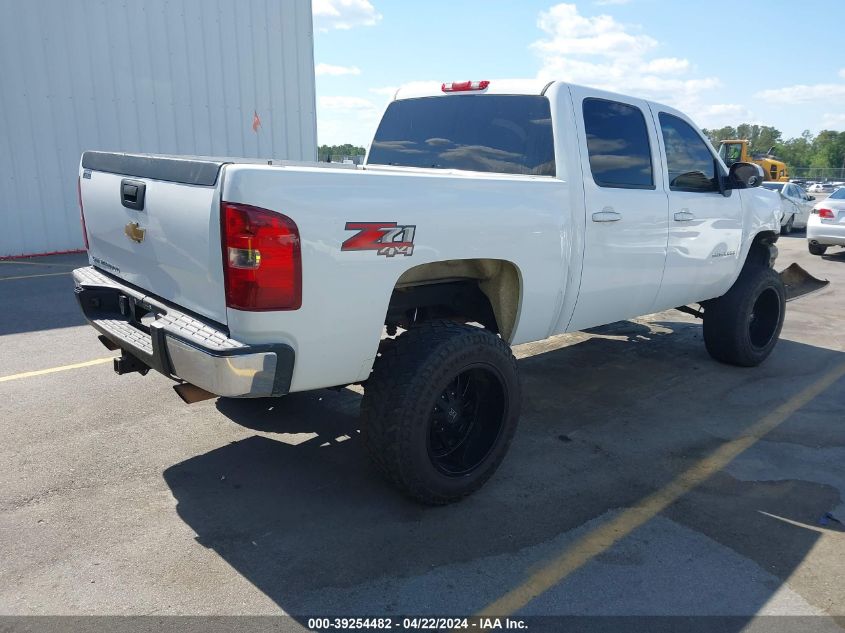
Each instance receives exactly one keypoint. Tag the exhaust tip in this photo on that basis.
(191, 393)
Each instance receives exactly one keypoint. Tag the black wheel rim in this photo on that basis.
(764, 318)
(466, 420)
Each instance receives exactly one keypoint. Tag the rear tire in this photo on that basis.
(786, 229)
(440, 410)
(742, 327)
(817, 249)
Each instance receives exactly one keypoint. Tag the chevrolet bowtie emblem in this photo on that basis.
(135, 232)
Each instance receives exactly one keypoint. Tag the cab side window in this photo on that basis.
(617, 145)
(690, 163)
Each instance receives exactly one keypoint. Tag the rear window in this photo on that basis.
(506, 134)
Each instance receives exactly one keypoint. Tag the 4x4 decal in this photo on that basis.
(386, 238)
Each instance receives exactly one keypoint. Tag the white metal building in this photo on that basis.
(160, 76)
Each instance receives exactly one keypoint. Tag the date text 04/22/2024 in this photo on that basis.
(419, 623)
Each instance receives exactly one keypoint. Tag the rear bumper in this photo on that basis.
(179, 345)
(825, 234)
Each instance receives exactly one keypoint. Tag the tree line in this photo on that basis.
(347, 149)
(825, 150)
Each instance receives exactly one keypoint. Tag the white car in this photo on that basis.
(795, 203)
(826, 226)
(486, 214)
(821, 187)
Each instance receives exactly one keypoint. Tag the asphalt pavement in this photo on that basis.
(645, 479)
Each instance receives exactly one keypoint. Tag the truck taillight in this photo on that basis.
(464, 86)
(262, 264)
(826, 213)
(81, 212)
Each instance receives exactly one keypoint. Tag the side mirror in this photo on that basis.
(811, 197)
(745, 176)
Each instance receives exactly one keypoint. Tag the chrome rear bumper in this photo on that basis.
(179, 345)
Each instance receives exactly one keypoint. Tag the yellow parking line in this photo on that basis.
(52, 370)
(605, 536)
(31, 276)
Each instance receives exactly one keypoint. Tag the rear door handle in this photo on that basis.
(606, 215)
(684, 215)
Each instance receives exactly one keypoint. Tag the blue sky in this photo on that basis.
(708, 58)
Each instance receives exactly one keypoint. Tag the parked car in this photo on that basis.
(826, 226)
(795, 203)
(821, 187)
(487, 214)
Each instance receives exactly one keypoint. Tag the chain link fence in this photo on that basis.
(818, 173)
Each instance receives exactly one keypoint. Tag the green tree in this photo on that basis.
(718, 135)
(822, 152)
(347, 149)
(765, 138)
(762, 137)
(796, 152)
(828, 149)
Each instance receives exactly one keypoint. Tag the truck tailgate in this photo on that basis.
(154, 222)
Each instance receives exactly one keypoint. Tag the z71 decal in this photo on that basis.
(386, 238)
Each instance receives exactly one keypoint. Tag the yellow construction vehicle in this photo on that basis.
(735, 150)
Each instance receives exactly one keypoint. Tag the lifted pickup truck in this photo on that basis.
(487, 214)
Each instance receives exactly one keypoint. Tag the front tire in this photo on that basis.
(787, 228)
(742, 327)
(817, 249)
(440, 409)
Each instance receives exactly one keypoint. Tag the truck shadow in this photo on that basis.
(298, 512)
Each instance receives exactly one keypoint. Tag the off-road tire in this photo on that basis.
(742, 327)
(409, 379)
(817, 249)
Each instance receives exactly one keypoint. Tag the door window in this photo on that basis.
(617, 145)
(691, 165)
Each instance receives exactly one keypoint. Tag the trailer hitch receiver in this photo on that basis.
(127, 364)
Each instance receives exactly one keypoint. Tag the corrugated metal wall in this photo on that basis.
(162, 76)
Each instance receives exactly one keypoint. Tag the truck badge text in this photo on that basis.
(386, 238)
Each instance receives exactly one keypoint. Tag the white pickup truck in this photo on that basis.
(487, 214)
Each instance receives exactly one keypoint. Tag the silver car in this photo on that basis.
(826, 226)
(795, 203)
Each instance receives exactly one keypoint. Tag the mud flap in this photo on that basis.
(799, 282)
